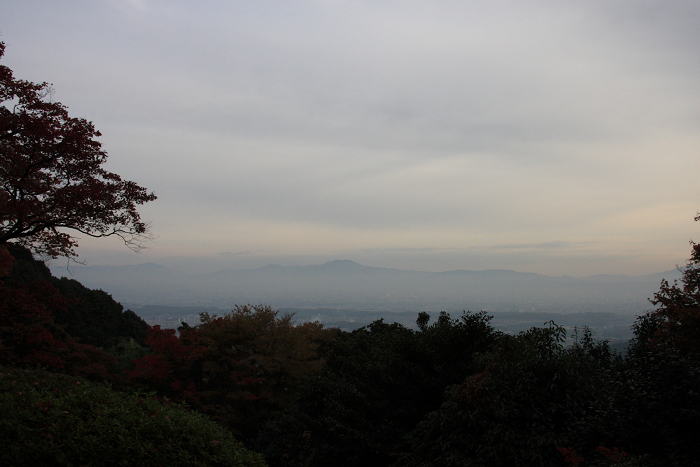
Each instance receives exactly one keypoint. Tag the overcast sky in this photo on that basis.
(559, 137)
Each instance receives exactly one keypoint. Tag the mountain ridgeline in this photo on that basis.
(344, 284)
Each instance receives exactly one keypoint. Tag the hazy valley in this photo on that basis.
(349, 295)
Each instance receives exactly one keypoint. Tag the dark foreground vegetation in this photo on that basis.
(51, 419)
(83, 382)
(453, 392)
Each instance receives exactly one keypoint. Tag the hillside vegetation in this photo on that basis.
(452, 392)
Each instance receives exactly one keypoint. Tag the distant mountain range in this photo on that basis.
(344, 284)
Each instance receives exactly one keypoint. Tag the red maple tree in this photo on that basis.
(52, 176)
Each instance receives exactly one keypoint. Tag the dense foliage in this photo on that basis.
(241, 368)
(60, 324)
(659, 390)
(90, 316)
(530, 397)
(458, 393)
(656, 406)
(29, 336)
(377, 384)
(52, 420)
(454, 392)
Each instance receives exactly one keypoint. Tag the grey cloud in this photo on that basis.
(518, 120)
(358, 85)
(528, 246)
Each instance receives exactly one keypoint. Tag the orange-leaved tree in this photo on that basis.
(240, 369)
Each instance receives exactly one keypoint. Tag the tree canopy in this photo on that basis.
(241, 369)
(52, 176)
(378, 382)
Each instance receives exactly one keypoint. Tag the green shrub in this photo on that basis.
(59, 420)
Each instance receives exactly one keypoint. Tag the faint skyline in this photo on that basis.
(551, 137)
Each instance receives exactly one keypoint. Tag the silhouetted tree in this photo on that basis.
(658, 401)
(52, 176)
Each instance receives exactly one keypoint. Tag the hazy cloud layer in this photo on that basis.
(555, 137)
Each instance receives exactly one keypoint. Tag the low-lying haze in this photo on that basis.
(346, 285)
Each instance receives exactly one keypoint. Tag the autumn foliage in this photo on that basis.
(46, 321)
(240, 368)
(52, 176)
(29, 336)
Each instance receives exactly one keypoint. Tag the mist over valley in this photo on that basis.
(348, 295)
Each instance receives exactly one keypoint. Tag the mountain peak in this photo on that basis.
(342, 263)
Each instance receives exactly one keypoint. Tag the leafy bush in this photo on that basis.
(126, 352)
(58, 420)
(657, 401)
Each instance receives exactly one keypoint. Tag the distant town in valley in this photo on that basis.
(348, 295)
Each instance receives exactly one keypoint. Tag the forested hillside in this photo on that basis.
(91, 316)
(454, 391)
